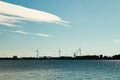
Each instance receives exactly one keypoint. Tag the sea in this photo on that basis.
(59, 69)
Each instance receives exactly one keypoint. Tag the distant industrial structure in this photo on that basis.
(85, 57)
(77, 56)
(78, 52)
(15, 57)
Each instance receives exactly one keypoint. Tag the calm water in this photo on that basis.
(59, 70)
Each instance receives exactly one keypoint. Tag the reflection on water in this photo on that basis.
(59, 70)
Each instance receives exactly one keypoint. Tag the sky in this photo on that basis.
(50, 25)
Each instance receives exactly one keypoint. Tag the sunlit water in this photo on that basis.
(59, 70)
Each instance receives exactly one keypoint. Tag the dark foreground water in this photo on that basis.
(59, 70)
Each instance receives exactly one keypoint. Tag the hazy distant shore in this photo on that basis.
(59, 59)
(85, 57)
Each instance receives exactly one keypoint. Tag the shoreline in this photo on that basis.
(53, 59)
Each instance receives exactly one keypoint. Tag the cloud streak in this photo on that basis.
(9, 20)
(19, 31)
(45, 35)
(11, 14)
(23, 32)
(28, 33)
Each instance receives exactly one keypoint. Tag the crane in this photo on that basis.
(77, 52)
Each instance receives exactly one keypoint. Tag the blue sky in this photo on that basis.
(92, 25)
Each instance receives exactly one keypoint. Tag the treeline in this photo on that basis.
(85, 57)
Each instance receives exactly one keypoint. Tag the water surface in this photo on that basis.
(59, 70)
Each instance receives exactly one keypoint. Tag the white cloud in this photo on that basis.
(44, 35)
(9, 20)
(8, 12)
(23, 32)
(19, 31)
(117, 41)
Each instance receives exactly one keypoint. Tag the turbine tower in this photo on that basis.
(37, 51)
(59, 52)
(80, 51)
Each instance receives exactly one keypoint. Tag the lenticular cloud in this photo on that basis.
(11, 13)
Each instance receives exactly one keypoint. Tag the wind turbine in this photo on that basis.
(79, 51)
(59, 52)
(37, 51)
